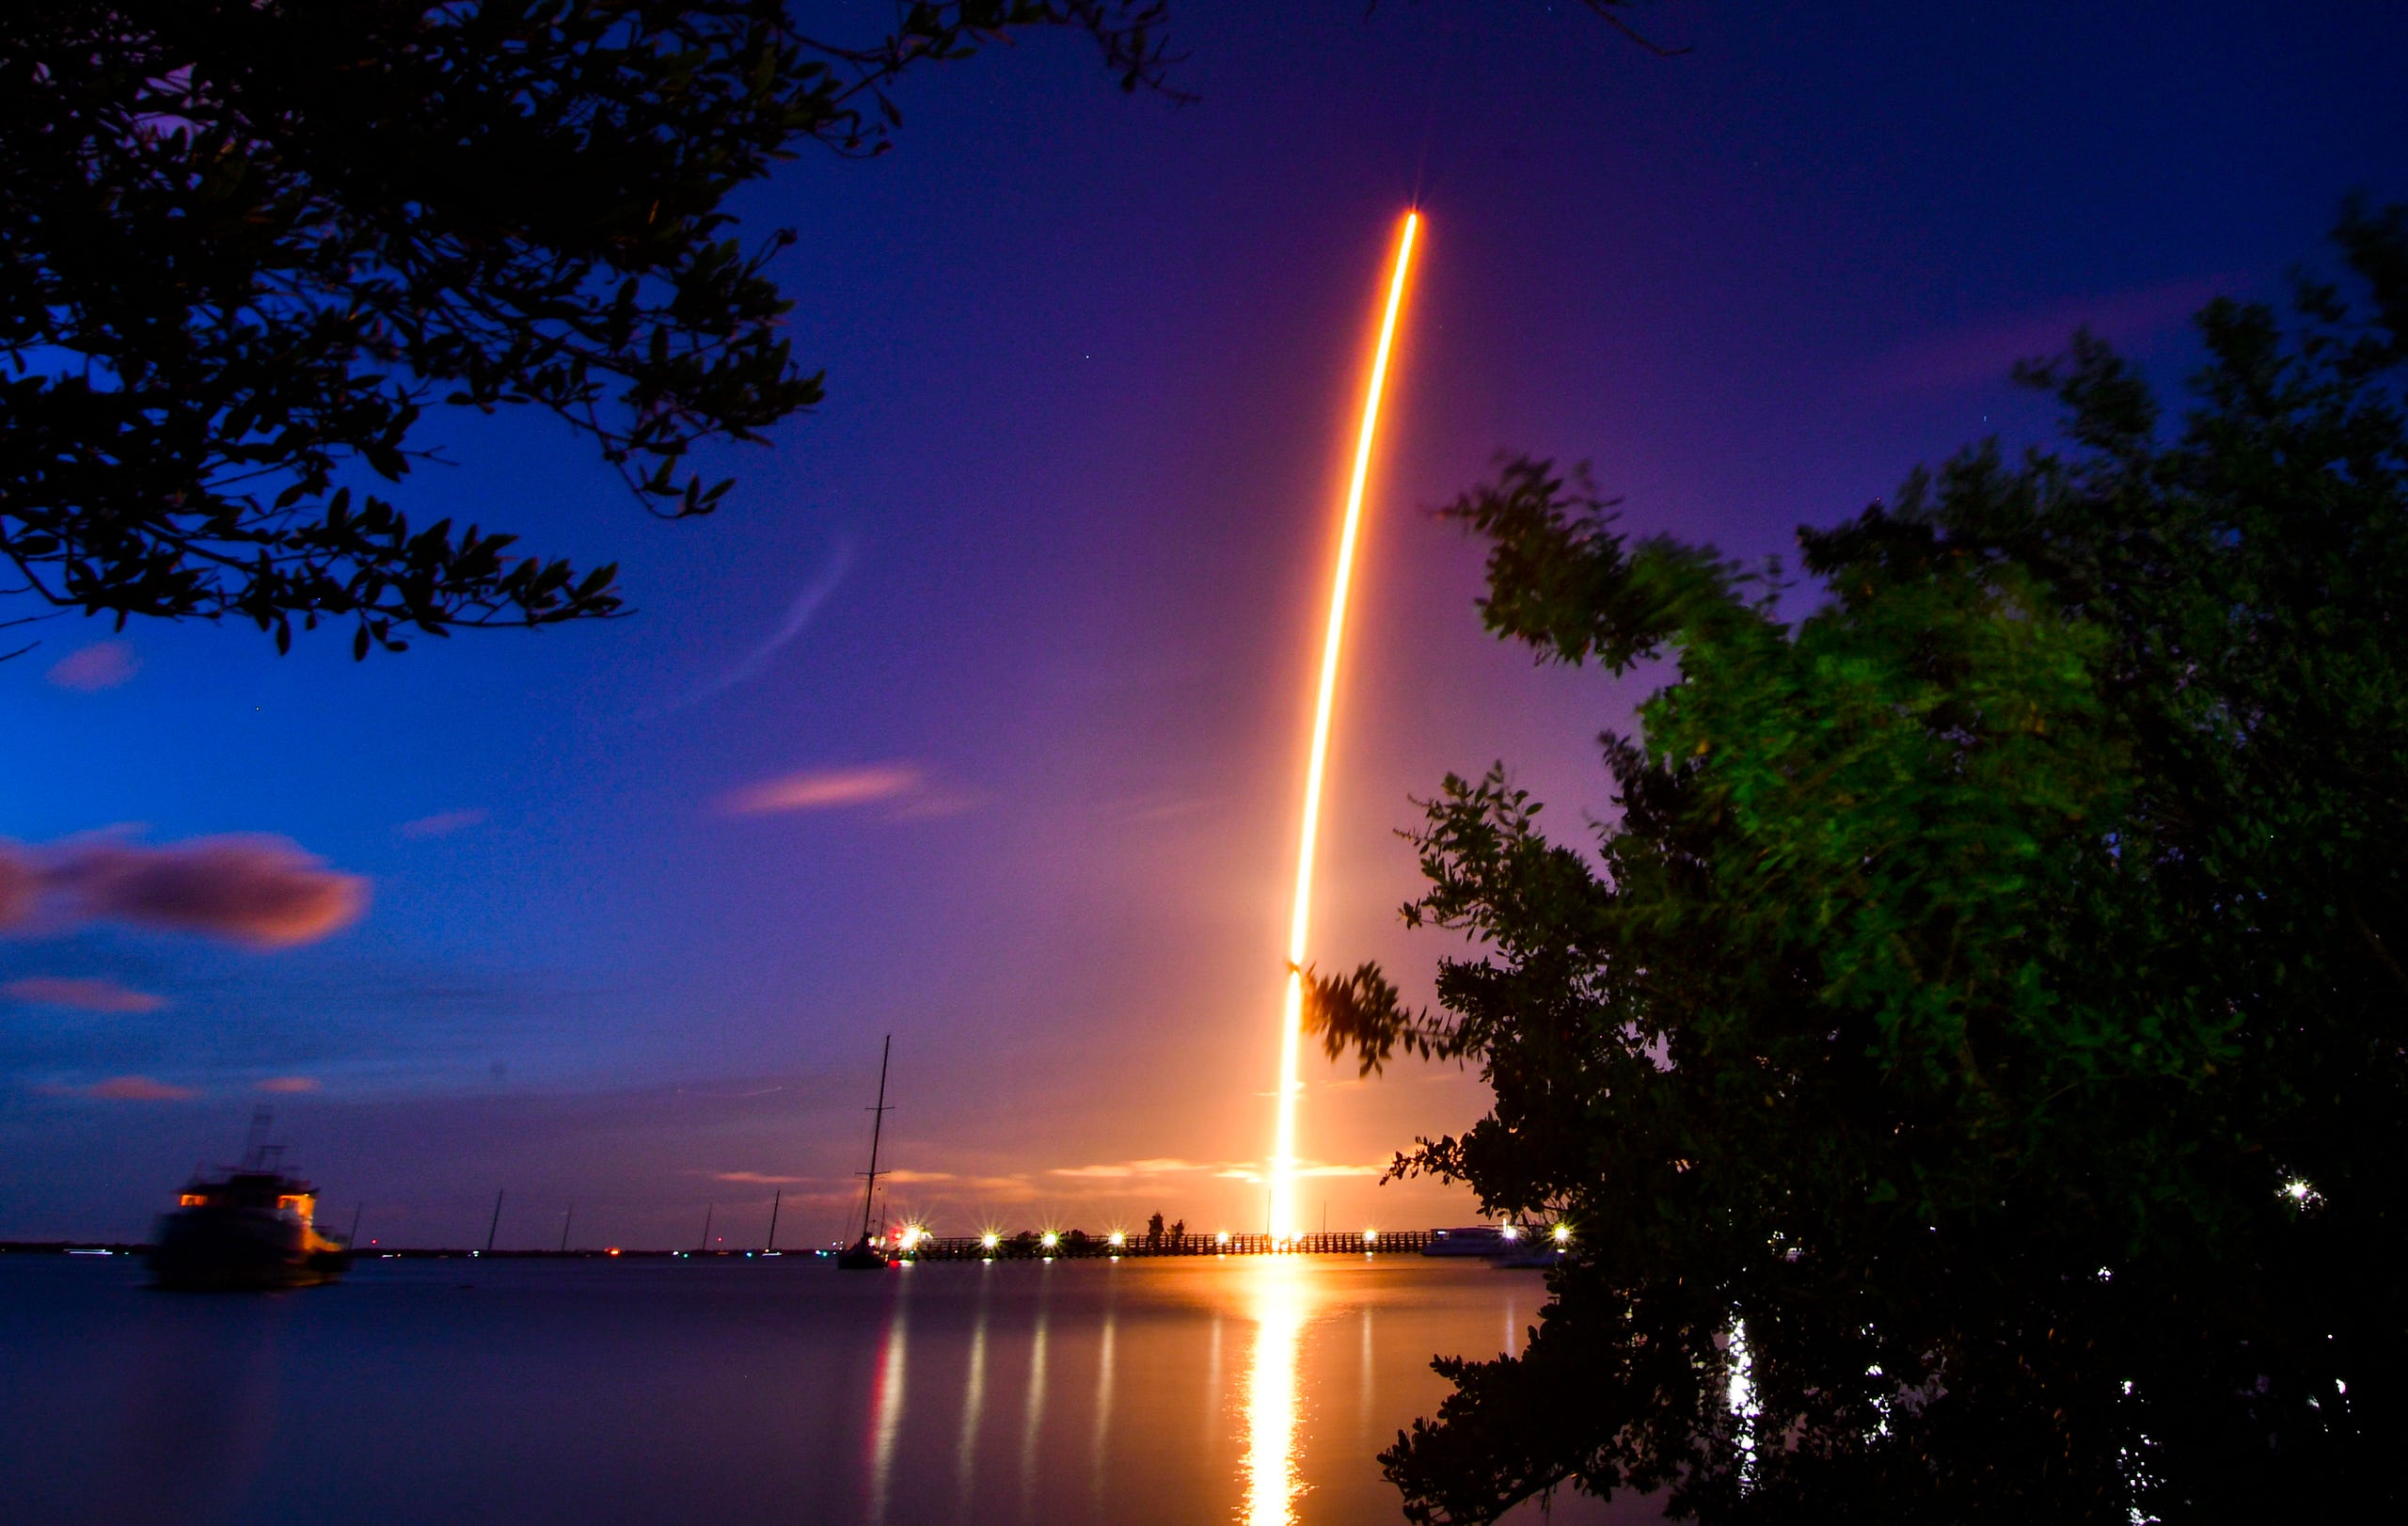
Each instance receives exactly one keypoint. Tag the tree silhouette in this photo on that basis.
(1972, 1057)
(246, 245)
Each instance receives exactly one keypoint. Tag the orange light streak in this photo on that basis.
(1283, 1156)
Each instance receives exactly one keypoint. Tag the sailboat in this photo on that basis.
(861, 1256)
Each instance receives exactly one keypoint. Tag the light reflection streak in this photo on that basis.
(974, 1405)
(1363, 1389)
(1103, 1375)
(1282, 1299)
(891, 1367)
(1213, 1384)
(1032, 1409)
(1283, 1155)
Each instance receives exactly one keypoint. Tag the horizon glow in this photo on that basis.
(1283, 1152)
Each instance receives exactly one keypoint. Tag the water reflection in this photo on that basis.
(1281, 1295)
(1178, 1391)
(893, 1367)
(1103, 1375)
(1033, 1408)
(973, 1403)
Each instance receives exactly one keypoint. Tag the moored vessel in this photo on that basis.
(250, 1227)
(864, 1254)
(1472, 1240)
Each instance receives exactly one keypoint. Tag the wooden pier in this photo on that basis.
(1029, 1246)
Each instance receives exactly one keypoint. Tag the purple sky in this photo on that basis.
(977, 714)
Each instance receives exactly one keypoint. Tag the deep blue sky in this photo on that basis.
(1090, 362)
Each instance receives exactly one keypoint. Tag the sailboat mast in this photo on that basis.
(878, 1127)
(780, 1197)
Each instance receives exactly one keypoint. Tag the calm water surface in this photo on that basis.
(1246, 1390)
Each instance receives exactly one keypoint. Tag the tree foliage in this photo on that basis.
(245, 245)
(1975, 1057)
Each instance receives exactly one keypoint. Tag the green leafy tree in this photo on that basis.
(245, 245)
(1975, 1058)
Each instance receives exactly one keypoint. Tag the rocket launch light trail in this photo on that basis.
(1283, 1158)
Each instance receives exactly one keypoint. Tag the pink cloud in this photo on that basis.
(1015, 1188)
(824, 789)
(84, 995)
(137, 1088)
(289, 1085)
(754, 1178)
(19, 885)
(104, 664)
(1118, 1170)
(252, 889)
(441, 824)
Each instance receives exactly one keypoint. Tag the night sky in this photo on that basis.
(977, 715)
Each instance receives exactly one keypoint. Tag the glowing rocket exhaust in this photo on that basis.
(1283, 1155)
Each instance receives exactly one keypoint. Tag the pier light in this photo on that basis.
(1369, 1236)
(1564, 1235)
(1510, 1231)
(1222, 1238)
(990, 1240)
(1118, 1239)
(1049, 1239)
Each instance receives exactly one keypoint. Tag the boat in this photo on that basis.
(1473, 1240)
(864, 1254)
(250, 1227)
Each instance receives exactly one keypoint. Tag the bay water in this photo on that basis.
(1254, 1390)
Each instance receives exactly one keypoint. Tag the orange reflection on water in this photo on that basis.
(1281, 1295)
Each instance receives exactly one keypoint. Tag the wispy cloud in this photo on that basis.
(137, 1088)
(289, 1085)
(827, 790)
(1252, 1170)
(1231, 1170)
(254, 889)
(441, 824)
(757, 1178)
(104, 664)
(1983, 351)
(1115, 1170)
(1015, 1188)
(83, 994)
(798, 614)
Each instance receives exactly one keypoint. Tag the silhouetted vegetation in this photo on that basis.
(1987, 1010)
(245, 247)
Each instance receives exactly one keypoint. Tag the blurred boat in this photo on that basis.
(1471, 1240)
(250, 1227)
